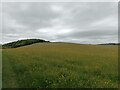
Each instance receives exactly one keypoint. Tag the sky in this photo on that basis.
(76, 22)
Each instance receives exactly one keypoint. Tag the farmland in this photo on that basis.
(60, 65)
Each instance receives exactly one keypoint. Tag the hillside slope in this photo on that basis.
(55, 65)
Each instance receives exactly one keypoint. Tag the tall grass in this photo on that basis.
(61, 65)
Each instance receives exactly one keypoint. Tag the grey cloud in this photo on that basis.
(73, 22)
(91, 36)
(93, 33)
(36, 15)
(93, 12)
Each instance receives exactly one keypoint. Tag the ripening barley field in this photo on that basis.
(60, 65)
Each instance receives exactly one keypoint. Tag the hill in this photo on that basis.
(110, 44)
(22, 43)
(60, 65)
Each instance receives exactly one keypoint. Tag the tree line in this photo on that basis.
(24, 42)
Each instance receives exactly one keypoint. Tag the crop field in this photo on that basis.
(60, 65)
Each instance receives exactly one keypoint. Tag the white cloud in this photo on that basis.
(24, 7)
(53, 31)
(56, 8)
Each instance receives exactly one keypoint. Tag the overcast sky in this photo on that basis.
(83, 22)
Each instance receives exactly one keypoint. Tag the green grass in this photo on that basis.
(0, 68)
(61, 65)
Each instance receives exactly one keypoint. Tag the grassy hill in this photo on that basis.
(0, 66)
(60, 65)
(0, 46)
